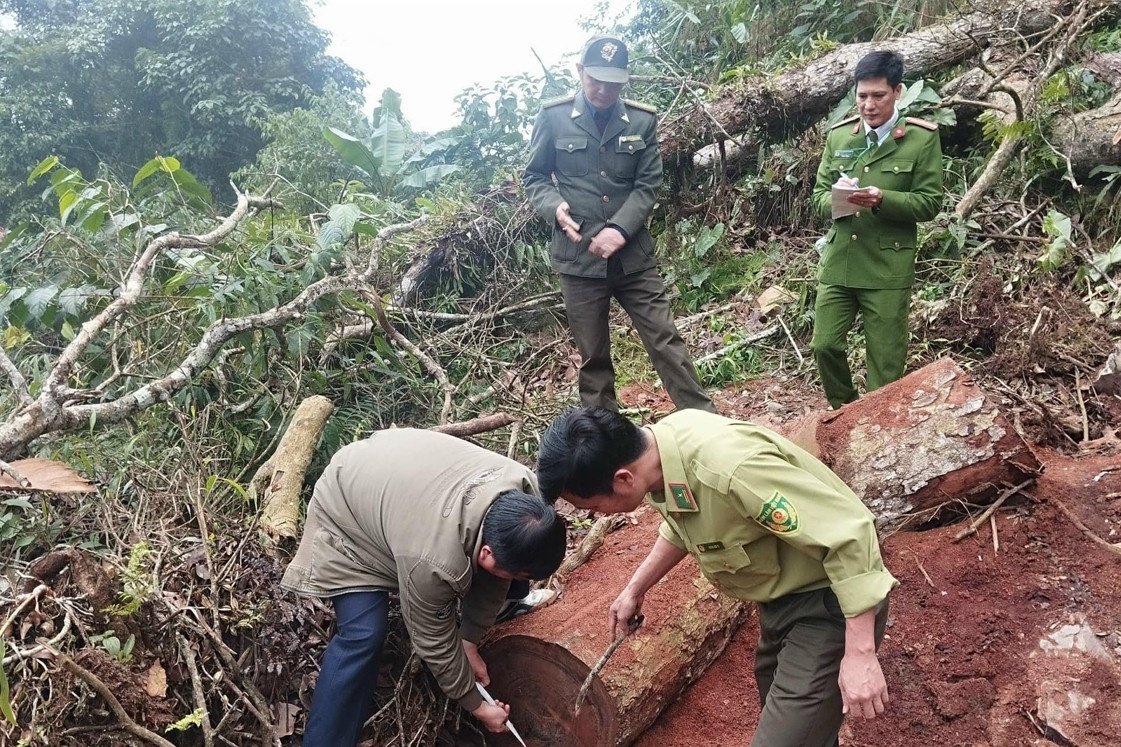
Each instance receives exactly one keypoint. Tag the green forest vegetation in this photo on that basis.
(202, 228)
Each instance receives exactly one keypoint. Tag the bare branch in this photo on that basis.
(19, 383)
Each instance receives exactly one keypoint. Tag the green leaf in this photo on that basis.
(71, 300)
(841, 109)
(388, 143)
(44, 166)
(910, 93)
(429, 176)
(146, 171)
(166, 164)
(5, 703)
(707, 238)
(39, 300)
(353, 151)
(339, 228)
(1057, 226)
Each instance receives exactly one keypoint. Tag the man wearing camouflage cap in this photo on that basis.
(594, 170)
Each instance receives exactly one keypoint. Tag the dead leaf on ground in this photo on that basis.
(157, 680)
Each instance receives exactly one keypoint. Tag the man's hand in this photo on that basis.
(869, 197)
(607, 242)
(570, 227)
(478, 666)
(847, 182)
(493, 717)
(863, 688)
(625, 606)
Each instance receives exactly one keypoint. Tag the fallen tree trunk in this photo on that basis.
(908, 448)
(538, 662)
(775, 107)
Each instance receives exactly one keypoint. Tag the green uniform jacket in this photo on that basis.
(875, 248)
(762, 517)
(403, 510)
(609, 178)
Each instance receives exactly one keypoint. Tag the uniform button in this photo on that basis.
(895, 169)
(857, 213)
(630, 148)
(867, 169)
(854, 237)
(896, 244)
(602, 149)
(606, 198)
(603, 173)
(570, 147)
(675, 514)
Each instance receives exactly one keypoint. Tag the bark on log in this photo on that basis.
(918, 443)
(775, 107)
(279, 480)
(538, 662)
(1091, 138)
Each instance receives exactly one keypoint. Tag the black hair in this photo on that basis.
(582, 449)
(525, 534)
(882, 64)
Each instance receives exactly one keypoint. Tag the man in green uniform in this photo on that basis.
(593, 173)
(868, 262)
(444, 523)
(765, 521)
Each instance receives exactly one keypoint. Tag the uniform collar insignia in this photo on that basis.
(678, 497)
(625, 117)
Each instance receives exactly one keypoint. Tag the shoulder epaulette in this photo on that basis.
(558, 101)
(843, 122)
(926, 124)
(640, 105)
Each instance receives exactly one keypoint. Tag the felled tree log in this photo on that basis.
(278, 481)
(918, 443)
(1091, 138)
(774, 107)
(538, 662)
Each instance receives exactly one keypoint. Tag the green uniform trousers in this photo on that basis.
(797, 661)
(884, 312)
(643, 296)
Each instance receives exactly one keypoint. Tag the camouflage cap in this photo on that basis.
(605, 58)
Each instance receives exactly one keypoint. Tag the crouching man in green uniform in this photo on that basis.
(868, 261)
(765, 521)
(444, 523)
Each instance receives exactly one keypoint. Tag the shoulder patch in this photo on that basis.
(558, 101)
(844, 122)
(779, 515)
(926, 124)
(640, 105)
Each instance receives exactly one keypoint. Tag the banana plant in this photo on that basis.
(381, 156)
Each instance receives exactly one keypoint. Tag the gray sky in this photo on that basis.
(430, 50)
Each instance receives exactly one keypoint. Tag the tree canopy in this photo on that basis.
(116, 82)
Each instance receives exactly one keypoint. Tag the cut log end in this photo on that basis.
(540, 681)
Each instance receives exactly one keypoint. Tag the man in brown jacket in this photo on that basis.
(445, 523)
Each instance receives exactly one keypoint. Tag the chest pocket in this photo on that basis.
(896, 173)
(572, 156)
(626, 156)
(735, 572)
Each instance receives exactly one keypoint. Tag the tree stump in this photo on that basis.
(918, 443)
(537, 662)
